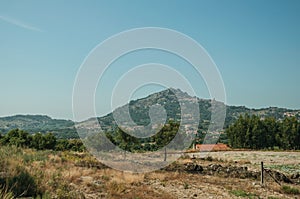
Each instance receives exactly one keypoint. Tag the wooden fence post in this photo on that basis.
(262, 173)
(165, 158)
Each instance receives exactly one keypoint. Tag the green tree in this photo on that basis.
(62, 145)
(49, 141)
(126, 141)
(271, 128)
(167, 134)
(42, 142)
(37, 141)
(75, 145)
(289, 133)
(240, 133)
(293, 138)
(18, 138)
(297, 140)
(255, 133)
(99, 142)
(258, 140)
(1, 138)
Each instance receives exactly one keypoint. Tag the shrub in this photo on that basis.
(115, 188)
(290, 190)
(243, 193)
(209, 158)
(186, 185)
(22, 184)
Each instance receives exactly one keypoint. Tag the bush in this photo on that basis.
(209, 158)
(22, 184)
(243, 193)
(14, 177)
(186, 185)
(17, 137)
(290, 190)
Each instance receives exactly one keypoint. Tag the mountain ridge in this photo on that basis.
(139, 111)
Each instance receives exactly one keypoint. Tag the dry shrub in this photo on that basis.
(121, 177)
(145, 192)
(5, 193)
(114, 187)
(244, 161)
(156, 176)
(22, 184)
(54, 159)
(73, 174)
(15, 176)
(175, 176)
(129, 178)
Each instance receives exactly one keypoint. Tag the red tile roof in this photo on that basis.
(212, 147)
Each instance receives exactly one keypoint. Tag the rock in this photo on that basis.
(228, 170)
(198, 168)
(282, 177)
(279, 176)
(193, 167)
(215, 167)
(295, 176)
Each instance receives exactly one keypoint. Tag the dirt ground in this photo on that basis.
(284, 161)
(229, 174)
(176, 181)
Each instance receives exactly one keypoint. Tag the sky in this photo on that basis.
(255, 45)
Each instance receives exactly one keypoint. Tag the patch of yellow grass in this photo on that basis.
(122, 177)
(156, 176)
(114, 187)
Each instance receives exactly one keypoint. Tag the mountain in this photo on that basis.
(139, 112)
(38, 123)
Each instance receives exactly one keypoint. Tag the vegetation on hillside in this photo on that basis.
(38, 141)
(39, 123)
(249, 132)
(139, 112)
(168, 135)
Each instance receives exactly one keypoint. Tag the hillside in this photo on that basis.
(139, 112)
(38, 123)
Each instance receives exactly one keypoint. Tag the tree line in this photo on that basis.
(249, 132)
(118, 137)
(40, 141)
(252, 132)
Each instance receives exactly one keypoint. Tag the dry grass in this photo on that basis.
(124, 177)
(156, 176)
(5, 193)
(282, 160)
(59, 175)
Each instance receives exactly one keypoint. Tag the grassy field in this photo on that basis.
(78, 175)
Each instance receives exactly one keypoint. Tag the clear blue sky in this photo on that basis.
(255, 44)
